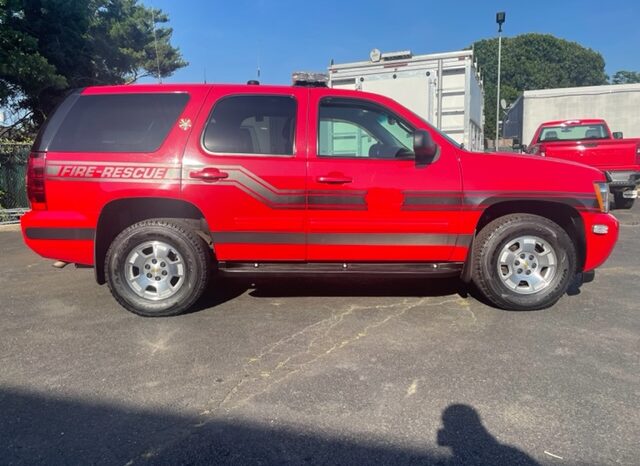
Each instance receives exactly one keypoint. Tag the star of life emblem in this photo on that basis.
(184, 124)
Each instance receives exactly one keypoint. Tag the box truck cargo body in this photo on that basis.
(618, 105)
(444, 89)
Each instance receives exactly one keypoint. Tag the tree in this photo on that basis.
(626, 77)
(50, 46)
(534, 61)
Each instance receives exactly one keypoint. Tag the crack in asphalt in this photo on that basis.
(260, 374)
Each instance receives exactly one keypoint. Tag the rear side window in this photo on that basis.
(251, 124)
(119, 123)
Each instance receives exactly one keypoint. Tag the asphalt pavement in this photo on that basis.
(385, 371)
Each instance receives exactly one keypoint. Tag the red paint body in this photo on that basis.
(605, 153)
(248, 193)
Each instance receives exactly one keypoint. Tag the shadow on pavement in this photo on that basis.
(36, 429)
(354, 286)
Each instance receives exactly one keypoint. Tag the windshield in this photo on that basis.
(441, 133)
(573, 133)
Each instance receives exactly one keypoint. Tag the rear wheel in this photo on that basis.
(523, 262)
(157, 267)
(622, 202)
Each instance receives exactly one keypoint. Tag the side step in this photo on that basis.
(440, 269)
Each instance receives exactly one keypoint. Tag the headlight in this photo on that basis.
(602, 194)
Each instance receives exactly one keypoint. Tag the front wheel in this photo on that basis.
(157, 267)
(523, 262)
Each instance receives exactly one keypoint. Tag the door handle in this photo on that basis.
(334, 178)
(209, 174)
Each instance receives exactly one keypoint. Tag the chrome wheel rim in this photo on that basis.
(154, 270)
(527, 264)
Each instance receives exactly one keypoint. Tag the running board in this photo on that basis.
(441, 269)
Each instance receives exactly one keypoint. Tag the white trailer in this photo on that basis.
(618, 105)
(445, 89)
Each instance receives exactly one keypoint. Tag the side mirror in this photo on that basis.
(425, 149)
(515, 145)
(523, 148)
(617, 135)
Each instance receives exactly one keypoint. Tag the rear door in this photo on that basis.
(367, 199)
(244, 167)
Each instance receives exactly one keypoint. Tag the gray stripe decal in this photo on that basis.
(585, 202)
(60, 233)
(464, 241)
(442, 201)
(383, 239)
(431, 199)
(353, 239)
(256, 237)
(276, 198)
(113, 180)
(318, 200)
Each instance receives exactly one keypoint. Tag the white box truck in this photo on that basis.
(445, 89)
(618, 104)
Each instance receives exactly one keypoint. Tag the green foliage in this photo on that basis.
(626, 77)
(49, 46)
(13, 165)
(534, 61)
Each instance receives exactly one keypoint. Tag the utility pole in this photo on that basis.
(155, 43)
(500, 17)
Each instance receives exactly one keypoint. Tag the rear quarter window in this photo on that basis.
(119, 123)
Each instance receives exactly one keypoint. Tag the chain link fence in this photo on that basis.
(13, 192)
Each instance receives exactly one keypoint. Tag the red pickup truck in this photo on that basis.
(590, 141)
(159, 186)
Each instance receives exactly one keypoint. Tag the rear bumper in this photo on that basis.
(599, 246)
(64, 236)
(623, 179)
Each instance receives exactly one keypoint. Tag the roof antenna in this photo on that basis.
(258, 65)
(155, 43)
(204, 71)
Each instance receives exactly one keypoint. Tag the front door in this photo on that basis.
(245, 168)
(367, 199)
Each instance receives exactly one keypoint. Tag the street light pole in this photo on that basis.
(500, 17)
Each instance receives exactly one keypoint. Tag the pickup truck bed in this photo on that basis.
(591, 142)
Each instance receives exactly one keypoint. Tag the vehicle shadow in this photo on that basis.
(219, 291)
(42, 429)
(358, 286)
(373, 286)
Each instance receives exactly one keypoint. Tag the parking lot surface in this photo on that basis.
(384, 371)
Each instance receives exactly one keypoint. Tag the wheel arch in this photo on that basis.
(121, 213)
(565, 216)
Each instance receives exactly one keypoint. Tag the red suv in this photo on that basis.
(159, 186)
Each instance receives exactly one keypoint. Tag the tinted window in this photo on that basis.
(252, 124)
(119, 123)
(351, 128)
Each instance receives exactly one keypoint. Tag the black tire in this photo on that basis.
(622, 202)
(497, 235)
(194, 252)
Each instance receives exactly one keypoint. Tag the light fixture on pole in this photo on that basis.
(500, 17)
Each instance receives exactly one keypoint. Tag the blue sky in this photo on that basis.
(229, 38)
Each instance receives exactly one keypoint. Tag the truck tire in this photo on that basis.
(157, 267)
(622, 202)
(523, 262)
